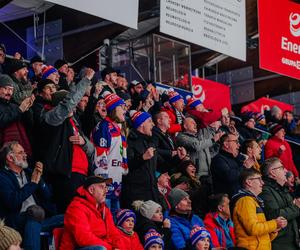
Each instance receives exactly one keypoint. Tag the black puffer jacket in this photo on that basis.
(140, 183)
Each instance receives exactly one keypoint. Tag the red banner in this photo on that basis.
(214, 95)
(279, 36)
(265, 103)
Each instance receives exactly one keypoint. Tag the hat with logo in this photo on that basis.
(135, 82)
(173, 96)
(112, 101)
(192, 102)
(198, 233)
(47, 71)
(153, 237)
(138, 117)
(96, 179)
(123, 215)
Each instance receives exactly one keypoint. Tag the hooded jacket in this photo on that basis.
(251, 228)
(86, 225)
(286, 156)
(217, 230)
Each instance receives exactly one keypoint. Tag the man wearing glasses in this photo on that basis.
(278, 202)
(252, 229)
(225, 167)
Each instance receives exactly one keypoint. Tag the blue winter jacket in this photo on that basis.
(181, 228)
(12, 196)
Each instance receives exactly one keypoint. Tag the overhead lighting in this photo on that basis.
(216, 60)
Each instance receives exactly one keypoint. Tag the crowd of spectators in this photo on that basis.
(126, 166)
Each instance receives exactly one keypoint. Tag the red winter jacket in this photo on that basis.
(131, 242)
(272, 150)
(216, 231)
(85, 225)
(174, 126)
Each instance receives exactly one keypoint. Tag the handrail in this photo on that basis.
(288, 139)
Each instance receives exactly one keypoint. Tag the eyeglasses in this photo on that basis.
(236, 141)
(256, 178)
(280, 167)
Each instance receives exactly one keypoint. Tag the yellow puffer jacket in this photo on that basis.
(252, 230)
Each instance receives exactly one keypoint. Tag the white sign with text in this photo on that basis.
(122, 12)
(219, 25)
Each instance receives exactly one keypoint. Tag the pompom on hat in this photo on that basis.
(123, 215)
(112, 101)
(47, 71)
(146, 208)
(192, 102)
(138, 118)
(198, 233)
(153, 237)
(173, 96)
(8, 236)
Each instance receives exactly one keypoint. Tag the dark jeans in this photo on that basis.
(33, 228)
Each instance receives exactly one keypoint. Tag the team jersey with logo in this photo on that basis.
(110, 159)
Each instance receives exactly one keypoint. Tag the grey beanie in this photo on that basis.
(5, 81)
(175, 196)
(146, 208)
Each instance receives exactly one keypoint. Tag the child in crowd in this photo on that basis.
(149, 216)
(10, 239)
(125, 222)
(153, 240)
(200, 238)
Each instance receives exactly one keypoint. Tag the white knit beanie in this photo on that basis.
(146, 208)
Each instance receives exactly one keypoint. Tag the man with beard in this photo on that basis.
(109, 77)
(35, 70)
(12, 115)
(25, 198)
(17, 70)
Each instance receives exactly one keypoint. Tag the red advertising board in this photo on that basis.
(279, 36)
